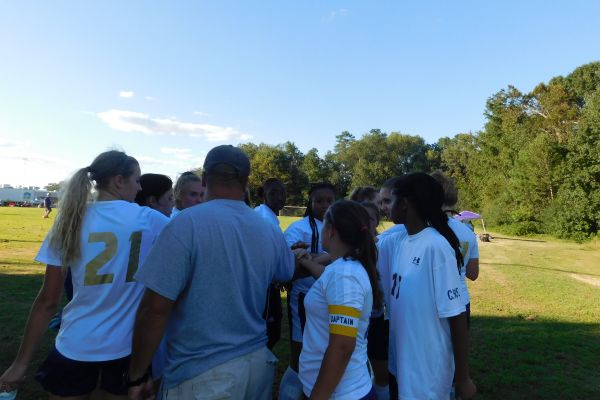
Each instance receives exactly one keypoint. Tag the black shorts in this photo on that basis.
(62, 376)
(378, 338)
(273, 314)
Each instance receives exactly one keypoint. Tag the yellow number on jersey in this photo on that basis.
(91, 269)
(110, 240)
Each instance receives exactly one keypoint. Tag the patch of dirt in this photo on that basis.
(590, 280)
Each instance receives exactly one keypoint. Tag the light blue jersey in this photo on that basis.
(216, 261)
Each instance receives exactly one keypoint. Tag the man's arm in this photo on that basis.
(150, 322)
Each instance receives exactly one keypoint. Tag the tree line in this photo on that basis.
(533, 168)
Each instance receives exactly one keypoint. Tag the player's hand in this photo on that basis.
(145, 391)
(465, 389)
(12, 377)
(300, 245)
(301, 253)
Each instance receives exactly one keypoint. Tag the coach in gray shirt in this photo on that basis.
(206, 279)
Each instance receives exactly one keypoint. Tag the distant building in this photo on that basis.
(27, 196)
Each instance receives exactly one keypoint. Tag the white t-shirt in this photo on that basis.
(469, 250)
(300, 231)
(340, 303)
(116, 236)
(422, 288)
(392, 230)
(267, 214)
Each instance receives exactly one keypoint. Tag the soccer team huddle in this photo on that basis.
(175, 292)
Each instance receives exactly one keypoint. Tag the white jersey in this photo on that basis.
(267, 214)
(392, 230)
(422, 288)
(469, 250)
(339, 303)
(97, 323)
(300, 231)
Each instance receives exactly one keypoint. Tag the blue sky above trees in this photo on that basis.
(167, 81)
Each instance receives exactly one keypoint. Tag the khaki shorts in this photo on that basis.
(249, 377)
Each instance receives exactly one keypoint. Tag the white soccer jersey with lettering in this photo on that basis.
(267, 214)
(300, 231)
(469, 250)
(339, 302)
(116, 237)
(423, 291)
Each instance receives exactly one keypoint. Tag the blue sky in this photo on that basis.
(166, 81)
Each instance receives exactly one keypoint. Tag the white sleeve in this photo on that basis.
(293, 233)
(446, 281)
(384, 260)
(474, 247)
(47, 255)
(345, 298)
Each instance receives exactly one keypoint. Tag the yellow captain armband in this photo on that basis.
(343, 320)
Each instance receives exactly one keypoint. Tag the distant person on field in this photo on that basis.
(47, 205)
(102, 243)
(206, 282)
(188, 192)
(156, 193)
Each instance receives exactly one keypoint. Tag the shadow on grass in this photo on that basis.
(5, 240)
(516, 358)
(540, 268)
(511, 357)
(518, 239)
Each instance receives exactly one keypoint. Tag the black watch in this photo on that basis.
(129, 383)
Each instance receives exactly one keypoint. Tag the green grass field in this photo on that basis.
(535, 330)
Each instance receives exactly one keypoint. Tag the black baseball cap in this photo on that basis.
(228, 155)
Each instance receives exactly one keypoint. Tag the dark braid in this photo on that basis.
(315, 238)
(351, 221)
(427, 196)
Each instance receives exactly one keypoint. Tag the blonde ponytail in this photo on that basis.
(65, 235)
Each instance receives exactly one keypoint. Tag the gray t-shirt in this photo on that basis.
(216, 261)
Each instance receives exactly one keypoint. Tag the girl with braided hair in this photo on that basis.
(305, 233)
(421, 284)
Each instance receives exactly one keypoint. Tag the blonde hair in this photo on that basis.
(65, 235)
(186, 177)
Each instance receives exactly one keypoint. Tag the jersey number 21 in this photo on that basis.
(92, 277)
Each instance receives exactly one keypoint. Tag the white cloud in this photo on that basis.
(181, 154)
(12, 144)
(342, 12)
(201, 114)
(132, 121)
(149, 98)
(156, 161)
(126, 94)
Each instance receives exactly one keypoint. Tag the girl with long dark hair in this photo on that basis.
(421, 284)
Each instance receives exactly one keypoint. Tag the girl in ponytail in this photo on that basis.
(428, 326)
(333, 362)
(305, 233)
(102, 242)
